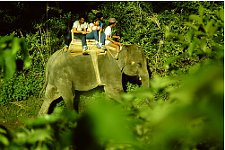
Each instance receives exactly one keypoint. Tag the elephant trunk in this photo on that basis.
(144, 77)
(144, 80)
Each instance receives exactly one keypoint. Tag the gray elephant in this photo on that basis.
(66, 73)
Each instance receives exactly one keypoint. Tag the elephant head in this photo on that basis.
(132, 62)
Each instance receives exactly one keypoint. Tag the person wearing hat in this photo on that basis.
(109, 37)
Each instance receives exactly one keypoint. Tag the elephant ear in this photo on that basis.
(133, 53)
(129, 54)
(137, 55)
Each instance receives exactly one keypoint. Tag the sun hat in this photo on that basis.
(112, 20)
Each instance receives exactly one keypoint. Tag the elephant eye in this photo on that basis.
(139, 64)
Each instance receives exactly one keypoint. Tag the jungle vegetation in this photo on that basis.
(182, 109)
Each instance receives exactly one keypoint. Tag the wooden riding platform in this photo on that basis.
(75, 48)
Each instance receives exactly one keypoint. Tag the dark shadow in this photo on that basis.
(53, 105)
(130, 79)
(149, 70)
(86, 93)
(19, 65)
(76, 98)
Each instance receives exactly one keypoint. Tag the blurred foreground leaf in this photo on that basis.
(10, 46)
(104, 124)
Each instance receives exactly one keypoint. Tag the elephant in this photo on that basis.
(66, 74)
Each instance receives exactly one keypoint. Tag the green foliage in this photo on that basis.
(191, 117)
(204, 28)
(186, 111)
(192, 6)
(46, 40)
(21, 87)
(203, 39)
(131, 17)
(182, 108)
(141, 26)
(49, 35)
(131, 87)
(47, 132)
(165, 37)
(192, 113)
(10, 46)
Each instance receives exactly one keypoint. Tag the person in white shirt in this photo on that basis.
(80, 30)
(109, 37)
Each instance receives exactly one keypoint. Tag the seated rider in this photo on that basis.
(80, 31)
(99, 16)
(109, 37)
(94, 29)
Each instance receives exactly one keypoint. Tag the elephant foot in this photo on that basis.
(42, 111)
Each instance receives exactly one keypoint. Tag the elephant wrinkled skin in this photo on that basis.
(66, 73)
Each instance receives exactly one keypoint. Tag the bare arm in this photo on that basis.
(116, 37)
(111, 40)
(82, 32)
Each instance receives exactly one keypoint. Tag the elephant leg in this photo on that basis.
(45, 107)
(76, 101)
(113, 92)
(50, 96)
(67, 94)
(68, 98)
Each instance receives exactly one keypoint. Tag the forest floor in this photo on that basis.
(14, 114)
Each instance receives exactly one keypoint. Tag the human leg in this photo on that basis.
(95, 34)
(90, 35)
(83, 40)
(84, 43)
(117, 47)
(102, 38)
